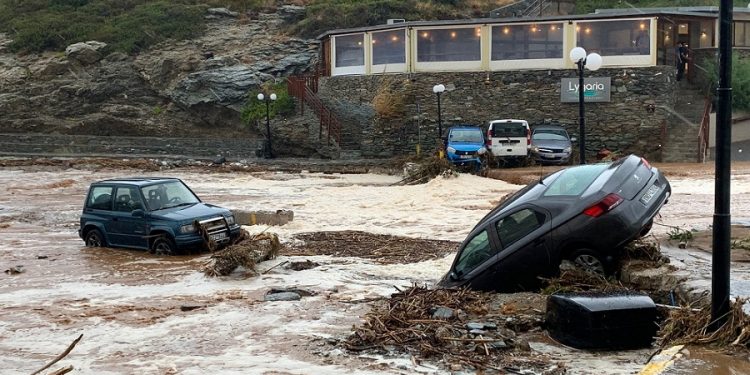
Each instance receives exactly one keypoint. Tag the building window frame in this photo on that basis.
(454, 65)
(347, 69)
(630, 60)
(540, 63)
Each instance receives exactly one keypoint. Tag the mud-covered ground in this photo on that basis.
(152, 315)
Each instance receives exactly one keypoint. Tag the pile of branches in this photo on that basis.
(425, 169)
(246, 252)
(384, 249)
(647, 249)
(432, 324)
(691, 326)
(574, 279)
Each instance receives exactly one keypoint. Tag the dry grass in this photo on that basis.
(388, 101)
(691, 326)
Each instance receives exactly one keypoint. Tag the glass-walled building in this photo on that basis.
(622, 38)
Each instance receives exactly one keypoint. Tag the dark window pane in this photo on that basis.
(388, 47)
(615, 38)
(350, 50)
(100, 198)
(521, 42)
(476, 252)
(517, 225)
(435, 45)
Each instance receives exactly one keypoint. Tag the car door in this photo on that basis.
(525, 255)
(128, 230)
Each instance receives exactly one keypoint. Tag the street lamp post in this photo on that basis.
(593, 62)
(268, 100)
(439, 89)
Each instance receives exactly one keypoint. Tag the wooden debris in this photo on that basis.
(409, 323)
(59, 357)
(425, 169)
(687, 325)
(246, 252)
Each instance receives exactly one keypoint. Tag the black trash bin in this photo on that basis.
(602, 321)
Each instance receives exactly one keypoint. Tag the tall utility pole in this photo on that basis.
(722, 219)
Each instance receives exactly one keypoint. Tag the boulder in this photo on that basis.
(85, 53)
(292, 13)
(222, 12)
(226, 85)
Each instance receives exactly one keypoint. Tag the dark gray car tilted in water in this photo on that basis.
(585, 213)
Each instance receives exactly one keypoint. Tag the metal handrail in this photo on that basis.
(703, 132)
(305, 89)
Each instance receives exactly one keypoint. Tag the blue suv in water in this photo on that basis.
(158, 214)
(464, 146)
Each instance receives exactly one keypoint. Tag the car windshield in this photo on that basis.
(550, 135)
(466, 135)
(509, 129)
(573, 181)
(168, 194)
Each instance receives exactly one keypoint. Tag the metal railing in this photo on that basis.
(703, 132)
(305, 89)
(535, 8)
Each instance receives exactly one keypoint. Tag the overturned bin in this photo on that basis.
(602, 320)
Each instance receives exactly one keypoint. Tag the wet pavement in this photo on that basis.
(154, 315)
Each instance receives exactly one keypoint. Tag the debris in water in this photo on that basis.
(301, 266)
(246, 252)
(687, 325)
(15, 270)
(437, 324)
(574, 279)
(425, 169)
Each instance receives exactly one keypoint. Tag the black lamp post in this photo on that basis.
(439, 89)
(268, 100)
(592, 62)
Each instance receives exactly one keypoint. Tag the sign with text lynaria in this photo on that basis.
(595, 89)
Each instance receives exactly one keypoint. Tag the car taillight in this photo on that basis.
(646, 163)
(488, 142)
(605, 205)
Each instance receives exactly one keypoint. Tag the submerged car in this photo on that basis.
(464, 146)
(585, 214)
(158, 214)
(551, 144)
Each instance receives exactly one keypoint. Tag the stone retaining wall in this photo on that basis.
(624, 125)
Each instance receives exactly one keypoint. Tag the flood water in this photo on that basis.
(143, 314)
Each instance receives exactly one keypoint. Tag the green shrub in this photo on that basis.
(255, 110)
(740, 81)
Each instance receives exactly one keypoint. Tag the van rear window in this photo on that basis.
(509, 129)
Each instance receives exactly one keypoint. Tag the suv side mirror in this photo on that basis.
(453, 276)
(138, 213)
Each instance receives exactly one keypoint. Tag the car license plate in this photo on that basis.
(216, 237)
(465, 156)
(649, 194)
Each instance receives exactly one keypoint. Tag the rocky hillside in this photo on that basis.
(188, 88)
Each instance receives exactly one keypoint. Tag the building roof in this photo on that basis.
(699, 12)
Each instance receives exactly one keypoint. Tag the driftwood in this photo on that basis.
(62, 371)
(246, 253)
(59, 357)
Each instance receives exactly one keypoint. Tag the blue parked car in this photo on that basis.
(464, 146)
(158, 214)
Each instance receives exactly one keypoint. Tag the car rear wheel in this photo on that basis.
(94, 238)
(163, 246)
(589, 261)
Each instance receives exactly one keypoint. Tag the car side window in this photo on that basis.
(476, 252)
(100, 198)
(127, 199)
(518, 224)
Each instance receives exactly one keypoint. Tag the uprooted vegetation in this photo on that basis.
(246, 252)
(460, 328)
(692, 326)
(423, 169)
(383, 249)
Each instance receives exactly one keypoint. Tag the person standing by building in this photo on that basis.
(680, 59)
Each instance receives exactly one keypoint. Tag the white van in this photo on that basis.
(508, 139)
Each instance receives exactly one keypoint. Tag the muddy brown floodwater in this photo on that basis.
(143, 314)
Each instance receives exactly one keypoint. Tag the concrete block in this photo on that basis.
(278, 217)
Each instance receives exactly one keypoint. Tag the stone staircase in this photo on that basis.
(682, 142)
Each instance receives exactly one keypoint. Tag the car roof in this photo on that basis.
(141, 181)
(472, 127)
